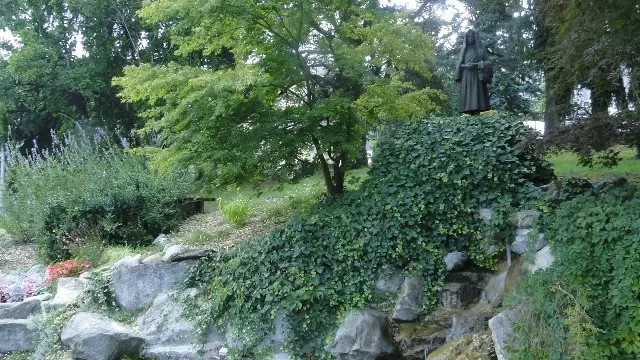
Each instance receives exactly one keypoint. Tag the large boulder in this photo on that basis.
(22, 310)
(409, 302)
(389, 282)
(455, 260)
(494, 291)
(524, 219)
(362, 336)
(169, 335)
(68, 291)
(15, 335)
(543, 260)
(417, 339)
(476, 346)
(525, 240)
(135, 287)
(501, 327)
(96, 337)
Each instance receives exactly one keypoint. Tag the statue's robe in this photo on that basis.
(474, 94)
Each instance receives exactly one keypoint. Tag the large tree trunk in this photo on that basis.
(556, 105)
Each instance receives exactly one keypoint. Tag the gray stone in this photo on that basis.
(458, 295)
(543, 260)
(409, 302)
(42, 297)
(37, 273)
(96, 337)
(524, 219)
(522, 243)
(467, 322)
(192, 255)
(172, 352)
(416, 339)
(164, 326)
(155, 258)
(486, 215)
(472, 277)
(15, 336)
(362, 336)
(389, 282)
(501, 332)
(174, 251)
(22, 310)
(161, 240)
(68, 291)
(156, 278)
(455, 260)
(494, 291)
(127, 262)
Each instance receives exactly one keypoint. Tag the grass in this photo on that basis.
(566, 164)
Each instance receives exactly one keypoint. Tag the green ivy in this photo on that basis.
(421, 199)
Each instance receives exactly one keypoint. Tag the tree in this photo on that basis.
(593, 44)
(306, 74)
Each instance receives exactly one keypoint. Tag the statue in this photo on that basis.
(474, 73)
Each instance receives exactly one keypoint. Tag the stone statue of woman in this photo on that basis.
(473, 73)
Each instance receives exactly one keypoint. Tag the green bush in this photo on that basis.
(81, 189)
(421, 198)
(596, 243)
(236, 211)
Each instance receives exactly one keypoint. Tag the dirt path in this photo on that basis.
(14, 256)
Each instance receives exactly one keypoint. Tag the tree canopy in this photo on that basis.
(307, 78)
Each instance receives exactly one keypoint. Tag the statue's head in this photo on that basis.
(470, 37)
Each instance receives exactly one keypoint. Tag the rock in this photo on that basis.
(409, 302)
(68, 291)
(161, 240)
(22, 310)
(471, 321)
(362, 336)
(477, 346)
(155, 258)
(441, 317)
(96, 337)
(157, 278)
(127, 262)
(501, 331)
(494, 291)
(455, 260)
(543, 260)
(416, 339)
(524, 219)
(472, 277)
(522, 241)
(389, 282)
(173, 251)
(281, 332)
(15, 336)
(615, 182)
(173, 352)
(42, 297)
(164, 327)
(458, 295)
(486, 215)
(37, 273)
(192, 255)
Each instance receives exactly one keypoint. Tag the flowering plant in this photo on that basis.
(67, 268)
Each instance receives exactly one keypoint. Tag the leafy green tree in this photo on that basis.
(306, 75)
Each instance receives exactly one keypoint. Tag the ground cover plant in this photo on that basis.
(586, 305)
(89, 191)
(421, 198)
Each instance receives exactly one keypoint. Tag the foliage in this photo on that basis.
(47, 328)
(236, 211)
(595, 238)
(552, 320)
(421, 198)
(300, 75)
(83, 189)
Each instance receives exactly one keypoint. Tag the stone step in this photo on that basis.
(15, 336)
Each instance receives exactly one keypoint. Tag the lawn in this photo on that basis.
(566, 164)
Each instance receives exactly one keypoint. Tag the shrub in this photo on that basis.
(421, 198)
(596, 243)
(81, 188)
(236, 212)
